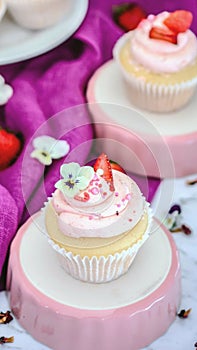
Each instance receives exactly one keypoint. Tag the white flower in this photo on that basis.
(172, 220)
(6, 91)
(75, 178)
(48, 148)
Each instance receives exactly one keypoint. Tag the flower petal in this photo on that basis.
(6, 91)
(82, 182)
(86, 171)
(66, 190)
(59, 184)
(175, 208)
(70, 168)
(44, 159)
(2, 80)
(59, 149)
(44, 142)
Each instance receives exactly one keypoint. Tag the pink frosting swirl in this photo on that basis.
(161, 56)
(116, 215)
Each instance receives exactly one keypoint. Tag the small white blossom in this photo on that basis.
(75, 178)
(6, 91)
(172, 220)
(48, 148)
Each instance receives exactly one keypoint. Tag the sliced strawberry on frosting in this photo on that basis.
(179, 21)
(161, 33)
(103, 167)
(117, 167)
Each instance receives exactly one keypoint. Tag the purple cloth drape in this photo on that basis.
(46, 85)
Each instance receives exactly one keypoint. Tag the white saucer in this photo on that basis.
(53, 307)
(18, 44)
(36, 255)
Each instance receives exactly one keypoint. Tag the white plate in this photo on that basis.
(18, 44)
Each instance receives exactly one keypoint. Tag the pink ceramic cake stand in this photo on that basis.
(153, 144)
(64, 313)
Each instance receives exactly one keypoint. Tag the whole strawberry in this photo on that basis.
(10, 146)
(128, 15)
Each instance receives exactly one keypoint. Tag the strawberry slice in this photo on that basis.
(116, 166)
(103, 163)
(163, 34)
(179, 21)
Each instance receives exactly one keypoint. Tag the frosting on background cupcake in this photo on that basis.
(162, 56)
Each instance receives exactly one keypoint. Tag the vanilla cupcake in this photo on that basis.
(96, 220)
(37, 14)
(158, 61)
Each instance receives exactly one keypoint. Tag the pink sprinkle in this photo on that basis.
(116, 194)
(90, 217)
(130, 220)
(118, 205)
(128, 196)
(94, 190)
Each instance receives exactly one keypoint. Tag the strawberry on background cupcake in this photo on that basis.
(37, 14)
(158, 61)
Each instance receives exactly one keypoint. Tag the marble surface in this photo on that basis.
(182, 335)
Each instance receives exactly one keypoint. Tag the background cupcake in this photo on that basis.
(158, 61)
(37, 14)
(97, 230)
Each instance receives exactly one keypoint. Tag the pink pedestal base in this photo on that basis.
(64, 313)
(161, 145)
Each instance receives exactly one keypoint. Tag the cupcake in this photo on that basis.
(158, 61)
(96, 220)
(37, 14)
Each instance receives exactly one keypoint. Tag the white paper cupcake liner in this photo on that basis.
(100, 269)
(154, 97)
(37, 14)
(159, 98)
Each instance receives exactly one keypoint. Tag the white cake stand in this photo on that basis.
(64, 313)
(152, 144)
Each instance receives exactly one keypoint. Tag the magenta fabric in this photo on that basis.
(46, 85)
